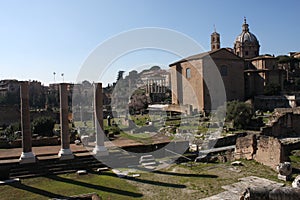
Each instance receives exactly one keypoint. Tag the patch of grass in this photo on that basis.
(295, 159)
(175, 182)
(107, 185)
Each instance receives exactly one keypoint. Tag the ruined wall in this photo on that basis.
(270, 152)
(276, 140)
(12, 114)
(9, 114)
(246, 147)
(285, 122)
(228, 140)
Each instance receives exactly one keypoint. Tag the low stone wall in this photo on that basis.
(161, 149)
(228, 140)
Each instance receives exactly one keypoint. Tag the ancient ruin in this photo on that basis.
(65, 152)
(273, 144)
(27, 156)
(100, 149)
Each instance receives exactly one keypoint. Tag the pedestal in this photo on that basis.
(65, 154)
(100, 151)
(27, 157)
(284, 178)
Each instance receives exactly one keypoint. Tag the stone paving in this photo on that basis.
(234, 191)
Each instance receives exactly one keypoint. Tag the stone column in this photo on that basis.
(65, 152)
(100, 149)
(27, 156)
(147, 84)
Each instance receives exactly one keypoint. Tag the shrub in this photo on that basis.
(239, 113)
(43, 126)
(9, 132)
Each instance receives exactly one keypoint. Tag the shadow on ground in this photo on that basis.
(158, 183)
(45, 193)
(96, 187)
(186, 175)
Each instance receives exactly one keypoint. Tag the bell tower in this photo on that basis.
(215, 40)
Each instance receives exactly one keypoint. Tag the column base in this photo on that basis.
(100, 151)
(65, 154)
(284, 178)
(27, 157)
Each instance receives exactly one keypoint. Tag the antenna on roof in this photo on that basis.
(215, 30)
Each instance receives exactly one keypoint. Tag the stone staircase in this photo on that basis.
(51, 164)
(119, 158)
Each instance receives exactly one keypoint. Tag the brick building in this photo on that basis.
(243, 72)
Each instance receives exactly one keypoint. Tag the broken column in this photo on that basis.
(296, 182)
(100, 149)
(65, 152)
(265, 193)
(285, 171)
(27, 156)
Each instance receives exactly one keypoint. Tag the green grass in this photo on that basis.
(175, 182)
(105, 185)
(295, 159)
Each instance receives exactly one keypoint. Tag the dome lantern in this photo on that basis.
(246, 44)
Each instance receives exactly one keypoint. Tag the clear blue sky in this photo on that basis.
(38, 37)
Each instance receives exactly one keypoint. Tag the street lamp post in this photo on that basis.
(54, 76)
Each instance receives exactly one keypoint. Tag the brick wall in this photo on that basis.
(246, 147)
(270, 152)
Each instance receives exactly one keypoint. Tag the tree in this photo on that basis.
(155, 68)
(138, 102)
(120, 75)
(10, 131)
(43, 126)
(53, 99)
(272, 89)
(239, 113)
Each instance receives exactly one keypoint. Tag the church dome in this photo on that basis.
(246, 44)
(246, 35)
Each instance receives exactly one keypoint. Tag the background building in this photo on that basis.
(244, 73)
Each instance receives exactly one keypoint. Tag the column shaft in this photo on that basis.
(65, 152)
(99, 149)
(27, 155)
